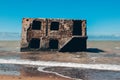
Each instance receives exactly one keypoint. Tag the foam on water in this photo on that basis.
(61, 64)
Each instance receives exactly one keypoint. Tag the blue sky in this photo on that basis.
(103, 16)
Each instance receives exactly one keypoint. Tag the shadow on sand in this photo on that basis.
(94, 50)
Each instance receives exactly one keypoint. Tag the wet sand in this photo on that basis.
(31, 73)
(86, 74)
(101, 52)
(98, 52)
(19, 72)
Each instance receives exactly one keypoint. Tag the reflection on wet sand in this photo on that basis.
(16, 72)
(86, 74)
(27, 72)
(9, 69)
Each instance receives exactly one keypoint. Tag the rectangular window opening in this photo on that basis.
(36, 25)
(54, 26)
(34, 43)
(77, 28)
(53, 44)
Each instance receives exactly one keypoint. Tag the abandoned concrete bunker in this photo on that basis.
(64, 35)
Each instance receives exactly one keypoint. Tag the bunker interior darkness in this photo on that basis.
(64, 35)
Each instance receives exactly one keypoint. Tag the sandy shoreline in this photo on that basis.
(43, 77)
(29, 73)
(98, 52)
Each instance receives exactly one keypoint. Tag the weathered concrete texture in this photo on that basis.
(53, 35)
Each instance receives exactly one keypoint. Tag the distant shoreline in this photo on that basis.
(10, 36)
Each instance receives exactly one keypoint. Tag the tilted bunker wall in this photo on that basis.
(42, 34)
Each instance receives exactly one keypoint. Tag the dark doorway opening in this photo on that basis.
(53, 44)
(34, 43)
(36, 25)
(54, 26)
(77, 28)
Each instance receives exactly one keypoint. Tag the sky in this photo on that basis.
(103, 16)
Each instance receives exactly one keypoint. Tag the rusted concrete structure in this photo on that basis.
(65, 35)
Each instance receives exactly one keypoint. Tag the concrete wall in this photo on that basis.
(50, 29)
